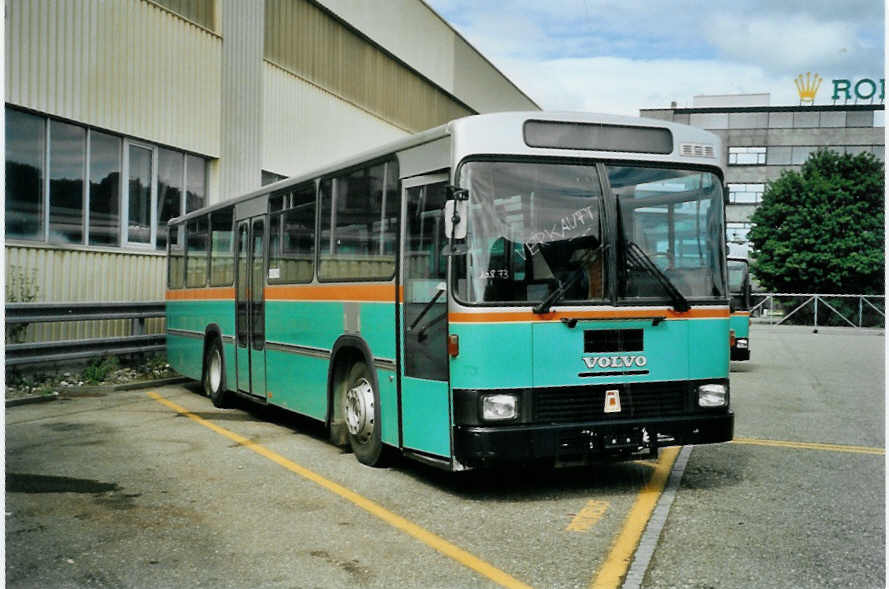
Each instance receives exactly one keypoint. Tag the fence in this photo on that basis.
(820, 310)
(20, 315)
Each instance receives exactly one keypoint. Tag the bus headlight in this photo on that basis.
(712, 395)
(499, 407)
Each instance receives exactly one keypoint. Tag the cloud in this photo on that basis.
(622, 55)
(623, 86)
(791, 44)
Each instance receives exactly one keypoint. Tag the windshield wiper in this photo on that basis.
(560, 292)
(638, 256)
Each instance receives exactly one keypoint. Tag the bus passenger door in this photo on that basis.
(250, 306)
(425, 398)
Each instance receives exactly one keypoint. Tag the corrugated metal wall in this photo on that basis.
(242, 23)
(298, 115)
(69, 275)
(306, 40)
(125, 65)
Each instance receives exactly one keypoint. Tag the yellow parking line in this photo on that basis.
(618, 561)
(811, 446)
(408, 527)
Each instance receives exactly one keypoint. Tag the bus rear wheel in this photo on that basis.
(214, 377)
(361, 410)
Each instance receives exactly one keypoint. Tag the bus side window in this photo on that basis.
(176, 258)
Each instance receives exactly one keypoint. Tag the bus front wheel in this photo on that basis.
(361, 410)
(214, 377)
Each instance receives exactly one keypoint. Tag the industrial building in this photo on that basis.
(760, 141)
(121, 115)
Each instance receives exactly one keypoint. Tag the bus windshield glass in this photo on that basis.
(737, 275)
(532, 228)
(537, 235)
(671, 219)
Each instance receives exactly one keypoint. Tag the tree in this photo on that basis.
(821, 229)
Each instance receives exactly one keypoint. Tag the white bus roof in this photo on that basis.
(504, 134)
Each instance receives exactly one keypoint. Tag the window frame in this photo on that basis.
(43, 233)
(330, 222)
(125, 197)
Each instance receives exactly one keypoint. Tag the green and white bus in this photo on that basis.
(740, 291)
(508, 287)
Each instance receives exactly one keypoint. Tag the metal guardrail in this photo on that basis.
(19, 354)
(766, 308)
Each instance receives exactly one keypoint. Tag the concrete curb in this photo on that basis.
(92, 390)
(32, 399)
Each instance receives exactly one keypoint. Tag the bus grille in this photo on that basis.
(584, 403)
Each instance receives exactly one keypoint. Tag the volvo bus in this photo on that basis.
(740, 291)
(504, 288)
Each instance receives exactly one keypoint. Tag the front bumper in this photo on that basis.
(584, 442)
(741, 349)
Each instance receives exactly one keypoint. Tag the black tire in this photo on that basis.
(362, 421)
(214, 374)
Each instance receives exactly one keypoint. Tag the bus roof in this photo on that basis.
(504, 134)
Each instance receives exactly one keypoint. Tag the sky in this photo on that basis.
(617, 56)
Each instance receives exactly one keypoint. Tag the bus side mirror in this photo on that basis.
(455, 212)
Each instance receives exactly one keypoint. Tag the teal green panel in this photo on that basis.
(257, 373)
(378, 328)
(388, 406)
(559, 353)
(231, 377)
(298, 383)
(708, 348)
(492, 355)
(197, 315)
(185, 355)
(741, 325)
(426, 415)
(314, 324)
(243, 369)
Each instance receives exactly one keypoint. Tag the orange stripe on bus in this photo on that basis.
(527, 316)
(190, 294)
(741, 313)
(332, 292)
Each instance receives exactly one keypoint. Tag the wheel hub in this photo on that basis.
(360, 409)
(215, 370)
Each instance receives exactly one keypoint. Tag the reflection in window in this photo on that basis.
(67, 153)
(104, 214)
(675, 218)
(292, 237)
(139, 225)
(170, 175)
(358, 213)
(222, 265)
(196, 184)
(196, 253)
(77, 154)
(176, 259)
(25, 137)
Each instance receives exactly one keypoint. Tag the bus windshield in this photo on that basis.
(737, 275)
(537, 235)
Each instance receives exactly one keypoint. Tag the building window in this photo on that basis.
(25, 153)
(745, 194)
(747, 156)
(737, 232)
(66, 183)
(104, 189)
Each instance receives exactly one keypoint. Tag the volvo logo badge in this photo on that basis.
(615, 361)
